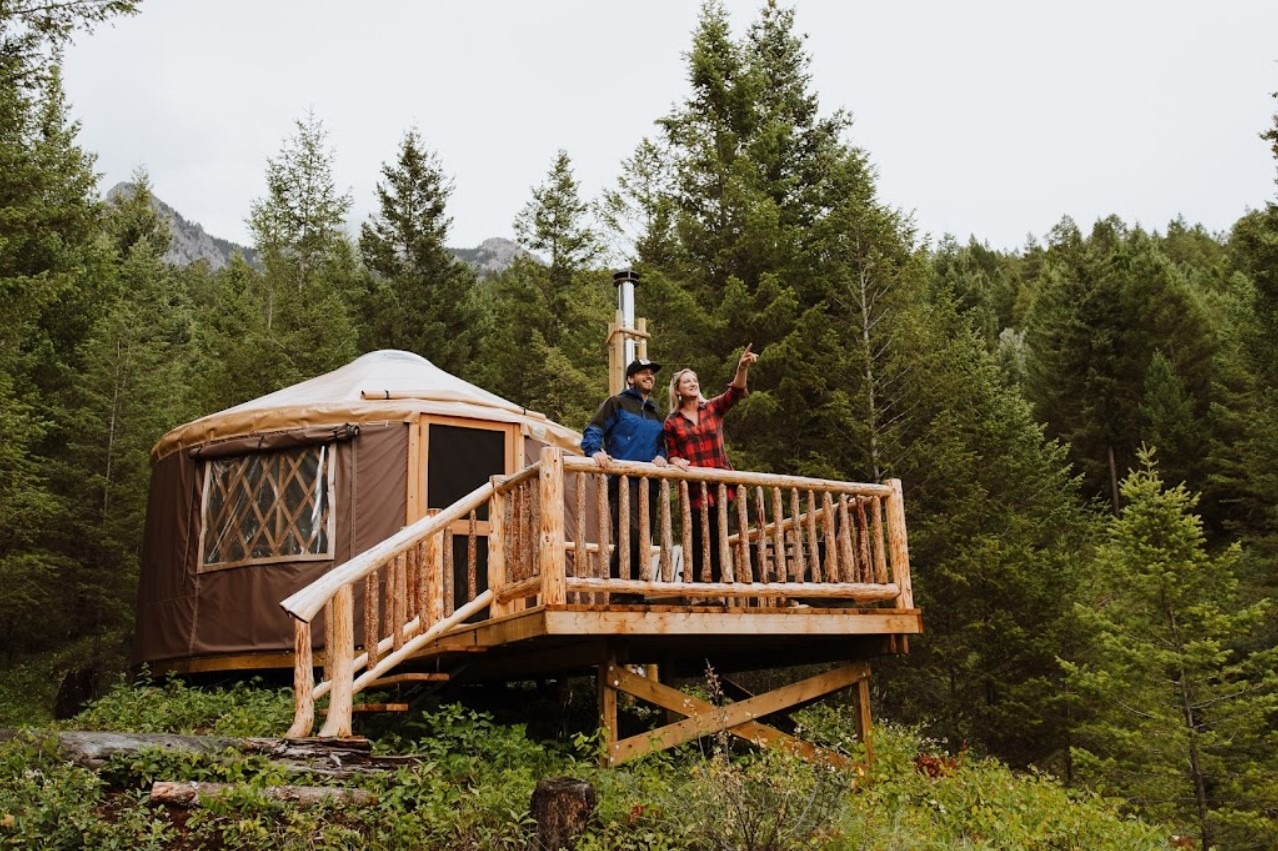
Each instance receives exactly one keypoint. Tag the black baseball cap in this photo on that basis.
(642, 363)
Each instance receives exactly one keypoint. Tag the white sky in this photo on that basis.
(983, 118)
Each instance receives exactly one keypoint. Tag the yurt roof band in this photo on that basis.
(270, 441)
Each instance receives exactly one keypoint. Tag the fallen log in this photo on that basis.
(192, 794)
(337, 758)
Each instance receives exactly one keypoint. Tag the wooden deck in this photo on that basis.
(815, 571)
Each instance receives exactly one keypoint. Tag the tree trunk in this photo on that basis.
(337, 758)
(562, 807)
(193, 794)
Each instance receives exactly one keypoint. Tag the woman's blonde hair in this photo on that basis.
(672, 397)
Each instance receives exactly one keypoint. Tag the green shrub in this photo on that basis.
(173, 706)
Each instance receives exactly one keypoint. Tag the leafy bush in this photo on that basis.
(173, 706)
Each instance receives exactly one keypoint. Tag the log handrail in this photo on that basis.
(821, 540)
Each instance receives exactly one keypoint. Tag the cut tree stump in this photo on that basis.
(562, 807)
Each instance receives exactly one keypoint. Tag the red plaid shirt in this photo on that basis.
(701, 445)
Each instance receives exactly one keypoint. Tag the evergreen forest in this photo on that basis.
(1086, 427)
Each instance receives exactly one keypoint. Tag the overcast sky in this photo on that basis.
(991, 119)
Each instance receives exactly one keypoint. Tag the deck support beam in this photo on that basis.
(702, 718)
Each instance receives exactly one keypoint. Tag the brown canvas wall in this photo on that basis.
(186, 614)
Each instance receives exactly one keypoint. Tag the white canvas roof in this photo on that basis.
(380, 386)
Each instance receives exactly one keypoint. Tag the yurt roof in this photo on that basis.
(380, 386)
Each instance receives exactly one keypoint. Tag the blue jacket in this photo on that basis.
(626, 427)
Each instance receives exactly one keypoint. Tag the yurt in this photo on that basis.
(253, 503)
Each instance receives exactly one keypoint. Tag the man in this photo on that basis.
(628, 427)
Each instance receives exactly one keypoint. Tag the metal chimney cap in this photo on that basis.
(626, 276)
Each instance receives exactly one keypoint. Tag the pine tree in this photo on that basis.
(420, 297)
(546, 348)
(1180, 699)
(310, 284)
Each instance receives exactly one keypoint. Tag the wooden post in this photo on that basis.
(641, 335)
(605, 679)
(372, 617)
(778, 536)
(603, 522)
(705, 532)
(550, 517)
(303, 682)
(434, 572)
(497, 547)
(814, 553)
(667, 538)
(397, 589)
(616, 354)
(644, 569)
(727, 574)
(899, 545)
(863, 718)
(744, 571)
(623, 528)
(342, 654)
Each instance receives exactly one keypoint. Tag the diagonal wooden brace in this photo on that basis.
(704, 718)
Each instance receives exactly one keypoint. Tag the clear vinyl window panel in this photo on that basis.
(269, 507)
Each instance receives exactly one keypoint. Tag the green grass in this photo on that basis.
(472, 790)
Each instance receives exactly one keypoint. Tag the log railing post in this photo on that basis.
(434, 575)
(342, 655)
(303, 682)
(497, 548)
(898, 543)
(551, 548)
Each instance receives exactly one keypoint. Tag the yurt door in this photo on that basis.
(461, 455)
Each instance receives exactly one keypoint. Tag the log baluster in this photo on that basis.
(863, 542)
(372, 618)
(814, 552)
(603, 521)
(581, 550)
(705, 531)
(846, 553)
(450, 574)
(685, 529)
(399, 601)
(472, 558)
(800, 567)
(435, 583)
(880, 545)
(623, 528)
(644, 568)
(829, 529)
(725, 551)
(745, 571)
(778, 536)
(667, 536)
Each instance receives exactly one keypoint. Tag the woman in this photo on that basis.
(694, 438)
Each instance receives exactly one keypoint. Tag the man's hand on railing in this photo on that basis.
(603, 459)
(681, 463)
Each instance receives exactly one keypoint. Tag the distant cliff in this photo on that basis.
(192, 243)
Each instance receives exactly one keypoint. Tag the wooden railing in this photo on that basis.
(796, 539)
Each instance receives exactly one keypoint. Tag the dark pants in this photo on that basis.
(639, 550)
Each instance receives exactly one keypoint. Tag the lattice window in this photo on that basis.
(268, 507)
